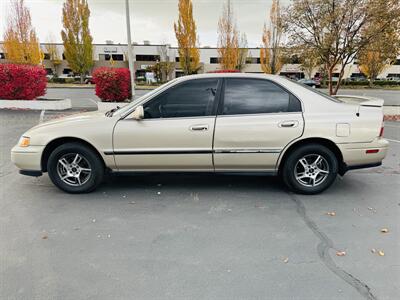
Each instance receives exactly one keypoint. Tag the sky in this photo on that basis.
(150, 19)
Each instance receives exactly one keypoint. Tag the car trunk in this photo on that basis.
(369, 116)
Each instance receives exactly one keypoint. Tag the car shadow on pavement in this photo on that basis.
(194, 181)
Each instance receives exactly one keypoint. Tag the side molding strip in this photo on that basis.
(152, 152)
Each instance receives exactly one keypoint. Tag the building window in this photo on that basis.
(49, 71)
(119, 57)
(104, 56)
(63, 56)
(214, 60)
(177, 59)
(393, 75)
(397, 62)
(46, 56)
(2, 56)
(253, 60)
(146, 57)
(67, 71)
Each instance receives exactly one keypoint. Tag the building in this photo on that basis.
(146, 54)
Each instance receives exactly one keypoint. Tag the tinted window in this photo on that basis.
(193, 98)
(254, 96)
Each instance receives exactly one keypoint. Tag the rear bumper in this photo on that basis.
(356, 156)
(344, 168)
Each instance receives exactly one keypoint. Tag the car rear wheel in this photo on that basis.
(75, 168)
(310, 169)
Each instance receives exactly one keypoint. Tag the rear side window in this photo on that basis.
(194, 98)
(257, 96)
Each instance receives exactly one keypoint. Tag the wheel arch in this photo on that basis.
(315, 140)
(62, 140)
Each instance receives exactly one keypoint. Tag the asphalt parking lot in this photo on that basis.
(198, 236)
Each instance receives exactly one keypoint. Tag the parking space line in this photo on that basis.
(41, 116)
(395, 141)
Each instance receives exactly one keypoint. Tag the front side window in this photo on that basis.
(194, 98)
(257, 96)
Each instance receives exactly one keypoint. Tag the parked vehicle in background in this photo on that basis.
(393, 78)
(310, 82)
(212, 123)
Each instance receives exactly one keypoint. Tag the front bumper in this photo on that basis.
(28, 159)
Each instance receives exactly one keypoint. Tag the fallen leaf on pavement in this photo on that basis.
(340, 253)
(132, 202)
(381, 253)
(45, 237)
(384, 230)
(373, 250)
(331, 213)
(286, 260)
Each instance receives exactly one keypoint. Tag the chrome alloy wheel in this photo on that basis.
(311, 170)
(74, 169)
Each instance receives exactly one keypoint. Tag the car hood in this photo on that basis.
(73, 120)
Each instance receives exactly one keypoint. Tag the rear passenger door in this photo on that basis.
(256, 120)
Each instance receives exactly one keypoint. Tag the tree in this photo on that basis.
(21, 44)
(309, 61)
(379, 54)
(270, 53)
(243, 52)
(228, 40)
(185, 32)
(76, 36)
(336, 29)
(165, 65)
(52, 51)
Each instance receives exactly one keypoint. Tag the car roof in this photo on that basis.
(230, 75)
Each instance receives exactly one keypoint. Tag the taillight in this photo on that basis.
(371, 151)
(382, 129)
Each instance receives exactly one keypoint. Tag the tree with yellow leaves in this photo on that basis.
(21, 44)
(228, 39)
(270, 53)
(380, 53)
(185, 32)
(76, 36)
(52, 51)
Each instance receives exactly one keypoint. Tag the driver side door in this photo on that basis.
(176, 132)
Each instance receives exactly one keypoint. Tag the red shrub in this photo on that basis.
(22, 82)
(112, 84)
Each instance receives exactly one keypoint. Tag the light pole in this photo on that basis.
(130, 54)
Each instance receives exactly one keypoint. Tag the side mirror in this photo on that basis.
(138, 113)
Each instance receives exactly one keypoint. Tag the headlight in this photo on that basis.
(24, 141)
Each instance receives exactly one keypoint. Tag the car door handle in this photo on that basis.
(288, 124)
(199, 127)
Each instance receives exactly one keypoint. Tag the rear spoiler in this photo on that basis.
(361, 100)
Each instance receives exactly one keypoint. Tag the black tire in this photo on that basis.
(293, 166)
(89, 160)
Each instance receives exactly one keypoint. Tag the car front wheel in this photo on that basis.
(75, 168)
(310, 169)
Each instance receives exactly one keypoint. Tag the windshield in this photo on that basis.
(149, 94)
(314, 90)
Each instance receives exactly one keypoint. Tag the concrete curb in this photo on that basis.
(391, 113)
(36, 104)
